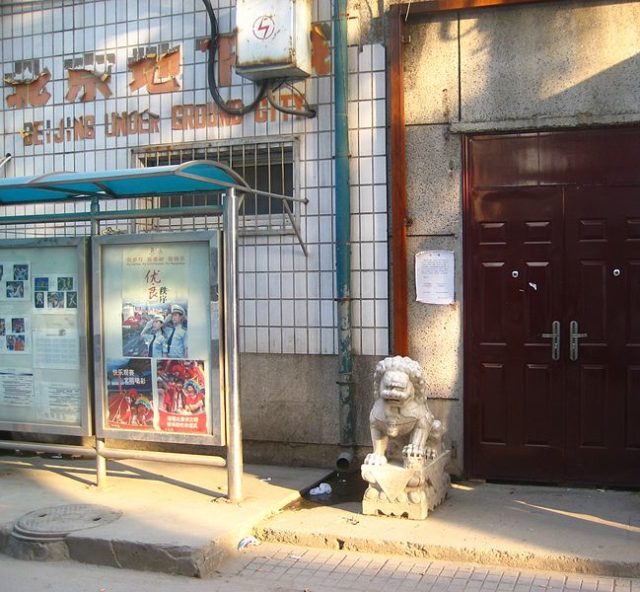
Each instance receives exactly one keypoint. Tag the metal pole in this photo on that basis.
(101, 461)
(47, 448)
(101, 464)
(343, 224)
(232, 375)
(185, 459)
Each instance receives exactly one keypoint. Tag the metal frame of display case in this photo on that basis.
(101, 400)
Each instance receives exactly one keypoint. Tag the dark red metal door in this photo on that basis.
(602, 306)
(552, 243)
(515, 384)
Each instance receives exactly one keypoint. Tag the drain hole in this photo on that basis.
(98, 518)
(41, 515)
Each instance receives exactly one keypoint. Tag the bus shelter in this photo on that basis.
(124, 336)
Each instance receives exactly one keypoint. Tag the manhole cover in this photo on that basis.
(53, 524)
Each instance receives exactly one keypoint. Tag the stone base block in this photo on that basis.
(376, 502)
(405, 492)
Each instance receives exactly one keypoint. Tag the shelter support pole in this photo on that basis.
(232, 374)
(101, 461)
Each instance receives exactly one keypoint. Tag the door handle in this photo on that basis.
(555, 340)
(574, 338)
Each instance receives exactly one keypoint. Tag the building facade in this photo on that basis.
(518, 127)
(111, 84)
(503, 132)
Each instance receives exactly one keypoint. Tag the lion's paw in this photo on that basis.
(412, 451)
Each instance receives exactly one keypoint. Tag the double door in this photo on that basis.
(553, 334)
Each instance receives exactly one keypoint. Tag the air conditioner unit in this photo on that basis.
(273, 38)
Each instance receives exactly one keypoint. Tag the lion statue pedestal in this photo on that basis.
(413, 482)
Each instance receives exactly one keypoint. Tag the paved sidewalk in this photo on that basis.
(532, 527)
(175, 519)
(292, 568)
(284, 568)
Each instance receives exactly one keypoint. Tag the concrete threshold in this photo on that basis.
(542, 528)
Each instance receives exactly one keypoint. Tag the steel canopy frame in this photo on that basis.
(195, 176)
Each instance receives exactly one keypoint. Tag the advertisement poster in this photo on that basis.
(130, 393)
(157, 339)
(55, 293)
(181, 396)
(15, 281)
(15, 335)
(155, 301)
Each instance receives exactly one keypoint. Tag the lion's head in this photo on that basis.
(399, 379)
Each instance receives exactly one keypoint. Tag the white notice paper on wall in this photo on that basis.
(435, 277)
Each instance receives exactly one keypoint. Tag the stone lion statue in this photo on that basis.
(400, 409)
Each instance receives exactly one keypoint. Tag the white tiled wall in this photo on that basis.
(287, 299)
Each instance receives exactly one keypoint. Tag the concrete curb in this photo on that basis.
(503, 558)
(199, 562)
(183, 560)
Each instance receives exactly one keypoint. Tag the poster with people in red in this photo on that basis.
(130, 394)
(181, 396)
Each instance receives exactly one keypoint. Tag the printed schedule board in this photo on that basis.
(159, 367)
(44, 384)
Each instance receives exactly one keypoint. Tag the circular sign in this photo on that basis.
(264, 27)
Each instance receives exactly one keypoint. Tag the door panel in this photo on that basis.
(632, 404)
(493, 410)
(602, 254)
(516, 249)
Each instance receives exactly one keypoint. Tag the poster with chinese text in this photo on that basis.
(130, 393)
(155, 301)
(182, 400)
(155, 296)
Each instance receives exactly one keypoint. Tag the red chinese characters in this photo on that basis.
(91, 83)
(29, 93)
(157, 73)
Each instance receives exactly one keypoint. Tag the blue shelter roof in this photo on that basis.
(189, 177)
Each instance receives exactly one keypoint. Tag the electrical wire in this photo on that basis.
(307, 111)
(211, 73)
